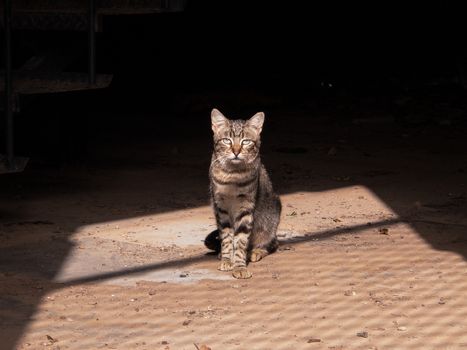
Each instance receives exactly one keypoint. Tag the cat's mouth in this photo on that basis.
(236, 160)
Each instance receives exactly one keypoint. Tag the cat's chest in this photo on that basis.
(228, 192)
(229, 197)
(233, 189)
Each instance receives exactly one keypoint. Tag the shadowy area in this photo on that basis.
(418, 170)
(142, 147)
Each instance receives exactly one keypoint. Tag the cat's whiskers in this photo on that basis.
(221, 160)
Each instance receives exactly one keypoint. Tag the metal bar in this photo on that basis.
(92, 41)
(8, 84)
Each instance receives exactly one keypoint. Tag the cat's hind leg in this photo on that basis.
(257, 254)
(263, 239)
(261, 248)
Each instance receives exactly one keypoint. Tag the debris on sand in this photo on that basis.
(51, 340)
(349, 293)
(362, 334)
(314, 340)
(384, 231)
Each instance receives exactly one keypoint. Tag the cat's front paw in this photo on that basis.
(225, 265)
(241, 273)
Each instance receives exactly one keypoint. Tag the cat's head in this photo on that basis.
(236, 141)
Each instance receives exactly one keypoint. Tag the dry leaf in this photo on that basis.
(50, 339)
(202, 347)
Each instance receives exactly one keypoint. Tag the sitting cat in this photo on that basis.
(246, 208)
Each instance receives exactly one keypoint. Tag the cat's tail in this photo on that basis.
(212, 241)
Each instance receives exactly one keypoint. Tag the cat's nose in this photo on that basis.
(236, 150)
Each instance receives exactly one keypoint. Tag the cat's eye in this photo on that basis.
(227, 141)
(246, 142)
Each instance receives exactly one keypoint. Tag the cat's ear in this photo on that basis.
(256, 122)
(218, 120)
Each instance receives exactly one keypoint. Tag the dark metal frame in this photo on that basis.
(8, 86)
(92, 41)
(10, 164)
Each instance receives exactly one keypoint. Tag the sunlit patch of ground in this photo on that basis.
(349, 275)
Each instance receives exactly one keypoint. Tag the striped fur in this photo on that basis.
(246, 208)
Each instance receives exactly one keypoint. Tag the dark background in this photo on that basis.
(292, 55)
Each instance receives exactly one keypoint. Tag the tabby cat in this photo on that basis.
(246, 208)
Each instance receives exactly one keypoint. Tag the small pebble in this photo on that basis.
(362, 334)
(314, 340)
(349, 293)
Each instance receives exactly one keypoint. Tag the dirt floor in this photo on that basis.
(110, 255)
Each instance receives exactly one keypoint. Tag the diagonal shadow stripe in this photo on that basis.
(320, 235)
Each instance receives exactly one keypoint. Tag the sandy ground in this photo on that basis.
(373, 252)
